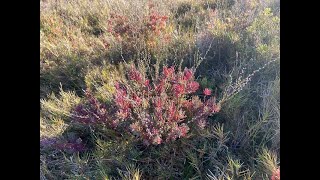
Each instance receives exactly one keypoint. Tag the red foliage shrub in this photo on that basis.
(158, 111)
(162, 111)
(150, 31)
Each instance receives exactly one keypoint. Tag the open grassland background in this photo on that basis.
(234, 46)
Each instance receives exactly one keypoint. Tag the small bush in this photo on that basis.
(155, 111)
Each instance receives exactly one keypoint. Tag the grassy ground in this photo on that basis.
(233, 46)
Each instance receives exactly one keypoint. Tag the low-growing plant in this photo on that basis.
(267, 162)
(155, 111)
(163, 110)
(132, 35)
(59, 106)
